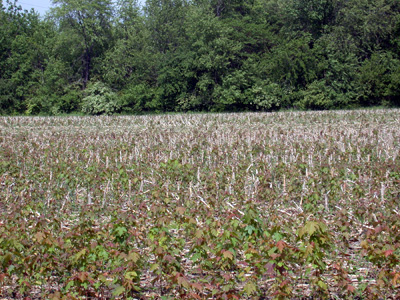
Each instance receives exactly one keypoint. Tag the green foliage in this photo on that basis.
(230, 93)
(264, 96)
(89, 23)
(100, 99)
(165, 20)
(317, 95)
(292, 63)
(314, 16)
(139, 98)
(130, 60)
(369, 23)
(379, 75)
(202, 55)
(22, 58)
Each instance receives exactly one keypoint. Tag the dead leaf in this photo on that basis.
(281, 245)
(228, 254)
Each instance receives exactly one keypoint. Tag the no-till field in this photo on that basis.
(208, 206)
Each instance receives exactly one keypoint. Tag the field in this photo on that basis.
(287, 205)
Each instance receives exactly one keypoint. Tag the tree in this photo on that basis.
(314, 16)
(129, 60)
(130, 65)
(199, 55)
(370, 23)
(165, 20)
(205, 57)
(380, 80)
(227, 8)
(22, 58)
(89, 23)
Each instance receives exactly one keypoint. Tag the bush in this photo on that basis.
(379, 79)
(139, 98)
(264, 97)
(100, 100)
(70, 101)
(317, 95)
(321, 95)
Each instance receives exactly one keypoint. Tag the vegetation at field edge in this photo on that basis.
(119, 57)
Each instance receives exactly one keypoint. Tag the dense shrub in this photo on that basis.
(380, 80)
(100, 99)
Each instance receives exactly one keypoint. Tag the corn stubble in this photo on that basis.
(208, 206)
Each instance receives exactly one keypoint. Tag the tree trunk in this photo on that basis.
(86, 67)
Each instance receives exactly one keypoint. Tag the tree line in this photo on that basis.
(104, 57)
